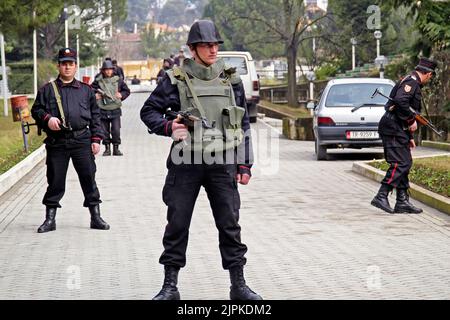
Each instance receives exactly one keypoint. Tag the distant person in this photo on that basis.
(118, 70)
(135, 80)
(179, 59)
(167, 65)
(172, 59)
(113, 90)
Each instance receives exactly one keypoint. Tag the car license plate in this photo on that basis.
(362, 135)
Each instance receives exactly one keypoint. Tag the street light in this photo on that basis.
(311, 76)
(354, 42)
(378, 34)
(380, 62)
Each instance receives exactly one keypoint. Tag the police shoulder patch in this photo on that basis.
(408, 88)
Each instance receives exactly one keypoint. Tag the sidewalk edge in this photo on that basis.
(13, 175)
(431, 199)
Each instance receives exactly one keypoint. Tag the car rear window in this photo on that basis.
(238, 63)
(355, 94)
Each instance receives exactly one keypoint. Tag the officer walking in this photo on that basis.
(209, 150)
(68, 113)
(111, 91)
(396, 129)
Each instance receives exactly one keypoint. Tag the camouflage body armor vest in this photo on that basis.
(110, 86)
(207, 92)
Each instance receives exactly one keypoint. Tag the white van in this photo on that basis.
(245, 65)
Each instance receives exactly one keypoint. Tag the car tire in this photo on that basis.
(321, 151)
(253, 119)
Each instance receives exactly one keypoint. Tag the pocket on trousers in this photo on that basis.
(168, 185)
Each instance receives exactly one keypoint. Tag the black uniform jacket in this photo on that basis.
(80, 110)
(406, 93)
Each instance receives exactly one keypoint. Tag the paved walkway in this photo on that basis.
(310, 229)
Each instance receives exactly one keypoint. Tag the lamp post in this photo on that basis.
(378, 34)
(354, 42)
(380, 62)
(311, 76)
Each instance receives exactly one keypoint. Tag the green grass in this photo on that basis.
(11, 141)
(430, 173)
(293, 112)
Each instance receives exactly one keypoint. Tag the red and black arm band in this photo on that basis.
(96, 139)
(244, 170)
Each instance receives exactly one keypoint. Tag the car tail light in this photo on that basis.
(255, 85)
(325, 121)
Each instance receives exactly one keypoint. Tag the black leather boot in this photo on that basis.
(107, 150)
(403, 205)
(239, 290)
(381, 199)
(49, 223)
(116, 151)
(169, 289)
(96, 221)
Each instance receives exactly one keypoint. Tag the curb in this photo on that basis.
(13, 175)
(431, 199)
(436, 145)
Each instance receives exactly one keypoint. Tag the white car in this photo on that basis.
(245, 65)
(347, 116)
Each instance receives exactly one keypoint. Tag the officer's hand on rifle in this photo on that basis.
(412, 144)
(53, 124)
(413, 127)
(179, 131)
(118, 95)
(95, 148)
(98, 96)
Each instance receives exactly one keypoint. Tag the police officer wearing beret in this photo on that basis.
(208, 89)
(67, 111)
(396, 129)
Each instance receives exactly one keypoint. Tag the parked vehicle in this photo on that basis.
(245, 65)
(347, 116)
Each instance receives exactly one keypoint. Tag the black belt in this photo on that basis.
(64, 134)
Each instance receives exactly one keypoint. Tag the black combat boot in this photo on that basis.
(107, 150)
(116, 151)
(169, 289)
(49, 223)
(239, 290)
(403, 205)
(96, 221)
(381, 199)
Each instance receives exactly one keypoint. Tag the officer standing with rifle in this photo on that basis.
(68, 113)
(111, 91)
(208, 100)
(396, 129)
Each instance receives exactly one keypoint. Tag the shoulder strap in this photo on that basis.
(58, 102)
(194, 95)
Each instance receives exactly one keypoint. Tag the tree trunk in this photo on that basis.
(292, 76)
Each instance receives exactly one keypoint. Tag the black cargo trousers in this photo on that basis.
(397, 153)
(59, 153)
(182, 186)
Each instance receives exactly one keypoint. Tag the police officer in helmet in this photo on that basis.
(67, 111)
(215, 153)
(396, 129)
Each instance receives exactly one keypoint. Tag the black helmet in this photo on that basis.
(203, 31)
(107, 65)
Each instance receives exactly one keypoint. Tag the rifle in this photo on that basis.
(189, 119)
(105, 94)
(417, 116)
